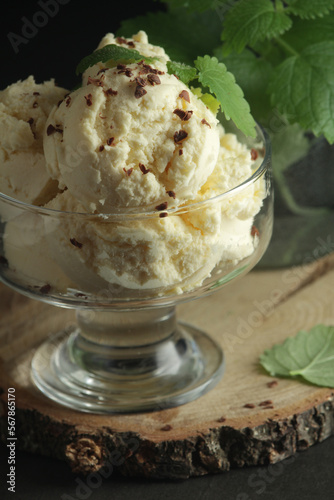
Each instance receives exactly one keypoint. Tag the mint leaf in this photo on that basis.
(183, 71)
(183, 35)
(307, 32)
(214, 75)
(309, 9)
(252, 74)
(248, 22)
(302, 87)
(111, 52)
(209, 100)
(309, 354)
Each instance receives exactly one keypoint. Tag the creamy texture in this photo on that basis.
(132, 139)
(24, 108)
(120, 150)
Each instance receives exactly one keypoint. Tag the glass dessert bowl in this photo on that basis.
(124, 273)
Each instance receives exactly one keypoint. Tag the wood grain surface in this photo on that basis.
(249, 418)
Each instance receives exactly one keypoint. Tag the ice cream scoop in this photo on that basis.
(24, 108)
(134, 136)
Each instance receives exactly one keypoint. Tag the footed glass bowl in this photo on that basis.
(124, 273)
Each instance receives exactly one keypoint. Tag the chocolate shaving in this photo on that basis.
(102, 70)
(110, 92)
(139, 92)
(101, 116)
(110, 141)
(128, 171)
(120, 39)
(52, 129)
(36, 93)
(266, 403)
(45, 288)
(131, 44)
(162, 206)
(269, 407)
(88, 98)
(185, 95)
(35, 105)
(120, 66)
(180, 152)
(166, 427)
(204, 122)
(140, 81)
(221, 419)
(249, 405)
(180, 136)
(272, 384)
(184, 115)
(153, 79)
(30, 121)
(123, 69)
(163, 214)
(76, 243)
(171, 194)
(68, 101)
(59, 103)
(146, 68)
(101, 148)
(144, 169)
(94, 81)
(254, 154)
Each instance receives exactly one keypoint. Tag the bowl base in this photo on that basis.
(105, 379)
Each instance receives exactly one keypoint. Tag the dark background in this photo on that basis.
(53, 51)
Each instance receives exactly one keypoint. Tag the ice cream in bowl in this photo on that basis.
(121, 199)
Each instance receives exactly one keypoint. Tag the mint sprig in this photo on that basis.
(112, 52)
(308, 354)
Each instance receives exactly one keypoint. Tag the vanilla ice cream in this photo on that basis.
(136, 159)
(24, 108)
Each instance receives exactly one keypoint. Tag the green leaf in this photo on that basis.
(309, 354)
(249, 21)
(302, 87)
(214, 75)
(183, 71)
(252, 74)
(183, 35)
(209, 100)
(309, 9)
(307, 32)
(114, 53)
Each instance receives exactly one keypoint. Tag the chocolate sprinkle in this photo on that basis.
(180, 152)
(180, 136)
(128, 171)
(266, 403)
(88, 98)
(110, 141)
(249, 405)
(166, 427)
(171, 194)
(162, 206)
(52, 129)
(185, 95)
(204, 122)
(163, 214)
(76, 243)
(144, 169)
(101, 148)
(45, 288)
(184, 115)
(153, 79)
(110, 92)
(139, 92)
(140, 81)
(254, 154)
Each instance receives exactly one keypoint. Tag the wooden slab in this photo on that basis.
(215, 432)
